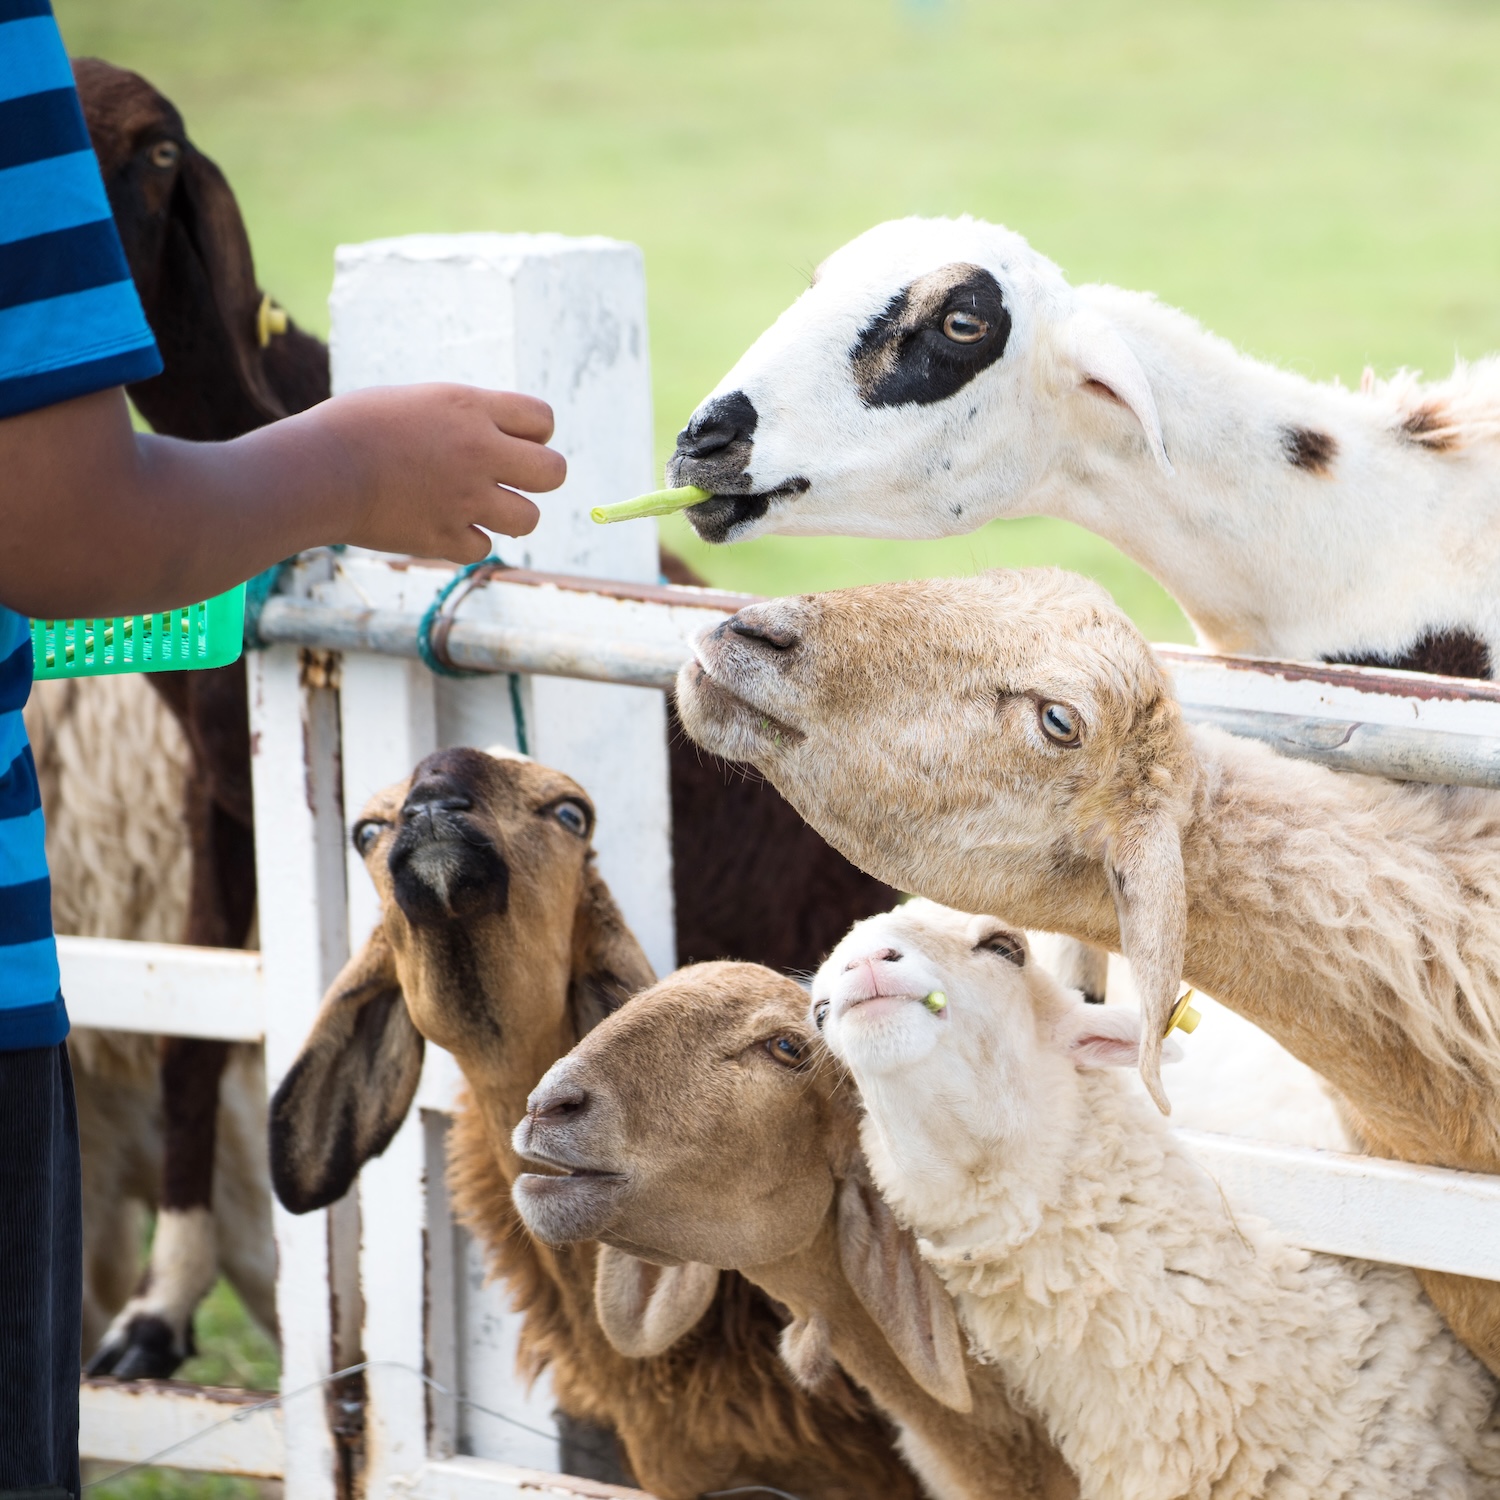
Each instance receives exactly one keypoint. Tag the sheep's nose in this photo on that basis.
(432, 794)
(718, 423)
(559, 1102)
(777, 637)
(885, 956)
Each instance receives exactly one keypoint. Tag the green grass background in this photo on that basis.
(1314, 179)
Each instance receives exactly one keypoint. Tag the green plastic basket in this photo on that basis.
(210, 634)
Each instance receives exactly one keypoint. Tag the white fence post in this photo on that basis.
(304, 940)
(565, 320)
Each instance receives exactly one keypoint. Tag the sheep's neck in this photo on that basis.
(975, 1455)
(1404, 522)
(1275, 856)
(1121, 1314)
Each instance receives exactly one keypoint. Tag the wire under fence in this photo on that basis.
(321, 1384)
(325, 1381)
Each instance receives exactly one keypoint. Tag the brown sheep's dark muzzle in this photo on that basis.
(445, 866)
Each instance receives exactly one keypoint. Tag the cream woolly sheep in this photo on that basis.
(112, 765)
(1171, 1349)
(940, 372)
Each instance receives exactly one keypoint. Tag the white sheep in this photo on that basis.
(939, 373)
(1171, 1348)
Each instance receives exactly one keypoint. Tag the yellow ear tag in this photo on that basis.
(1183, 1015)
(269, 319)
(936, 1002)
(657, 503)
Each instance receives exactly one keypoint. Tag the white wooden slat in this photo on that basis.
(127, 1422)
(304, 939)
(1362, 1206)
(483, 1479)
(163, 987)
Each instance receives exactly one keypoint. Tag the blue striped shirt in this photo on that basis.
(70, 324)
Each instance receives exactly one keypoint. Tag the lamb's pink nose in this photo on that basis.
(884, 956)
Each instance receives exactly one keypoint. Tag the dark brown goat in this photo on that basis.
(752, 881)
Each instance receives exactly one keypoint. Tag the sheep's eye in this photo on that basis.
(964, 327)
(573, 816)
(1060, 723)
(1007, 946)
(785, 1050)
(366, 831)
(165, 154)
(820, 1014)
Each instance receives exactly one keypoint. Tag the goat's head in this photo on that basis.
(1004, 743)
(189, 255)
(498, 940)
(700, 1128)
(914, 390)
(964, 1048)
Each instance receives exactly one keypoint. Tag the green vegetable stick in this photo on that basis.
(657, 503)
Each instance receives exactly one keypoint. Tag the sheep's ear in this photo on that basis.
(1104, 363)
(351, 1085)
(644, 1309)
(1144, 866)
(205, 209)
(902, 1293)
(1100, 1036)
(608, 964)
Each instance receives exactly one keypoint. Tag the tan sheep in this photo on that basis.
(500, 942)
(1008, 744)
(702, 1126)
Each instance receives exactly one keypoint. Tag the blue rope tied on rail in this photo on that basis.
(257, 591)
(437, 621)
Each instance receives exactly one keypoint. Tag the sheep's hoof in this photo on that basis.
(591, 1451)
(145, 1348)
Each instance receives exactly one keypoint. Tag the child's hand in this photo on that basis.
(430, 464)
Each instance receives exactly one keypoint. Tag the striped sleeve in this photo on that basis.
(32, 1013)
(70, 320)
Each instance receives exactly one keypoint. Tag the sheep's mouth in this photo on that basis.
(725, 706)
(563, 1203)
(718, 519)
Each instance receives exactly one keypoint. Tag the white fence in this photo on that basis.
(339, 709)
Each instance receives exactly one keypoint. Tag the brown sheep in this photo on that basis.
(1009, 744)
(703, 1125)
(500, 942)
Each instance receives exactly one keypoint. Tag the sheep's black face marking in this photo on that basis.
(714, 520)
(1450, 653)
(1309, 450)
(444, 866)
(904, 356)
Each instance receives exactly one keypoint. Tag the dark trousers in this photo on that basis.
(41, 1272)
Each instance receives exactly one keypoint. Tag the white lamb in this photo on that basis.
(1174, 1351)
(939, 373)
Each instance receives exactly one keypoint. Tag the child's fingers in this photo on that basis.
(521, 416)
(508, 513)
(527, 465)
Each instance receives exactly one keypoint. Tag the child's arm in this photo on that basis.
(97, 519)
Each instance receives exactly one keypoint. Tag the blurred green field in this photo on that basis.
(1316, 182)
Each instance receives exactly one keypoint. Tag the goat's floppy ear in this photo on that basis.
(1107, 1036)
(644, 1309)
(1103, 361)
(1143, 864)
(902, 1293)
(608, 965)
(211, 219)
(351, 1085)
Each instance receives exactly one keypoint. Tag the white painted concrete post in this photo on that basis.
(562, 319)
(304, 940)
